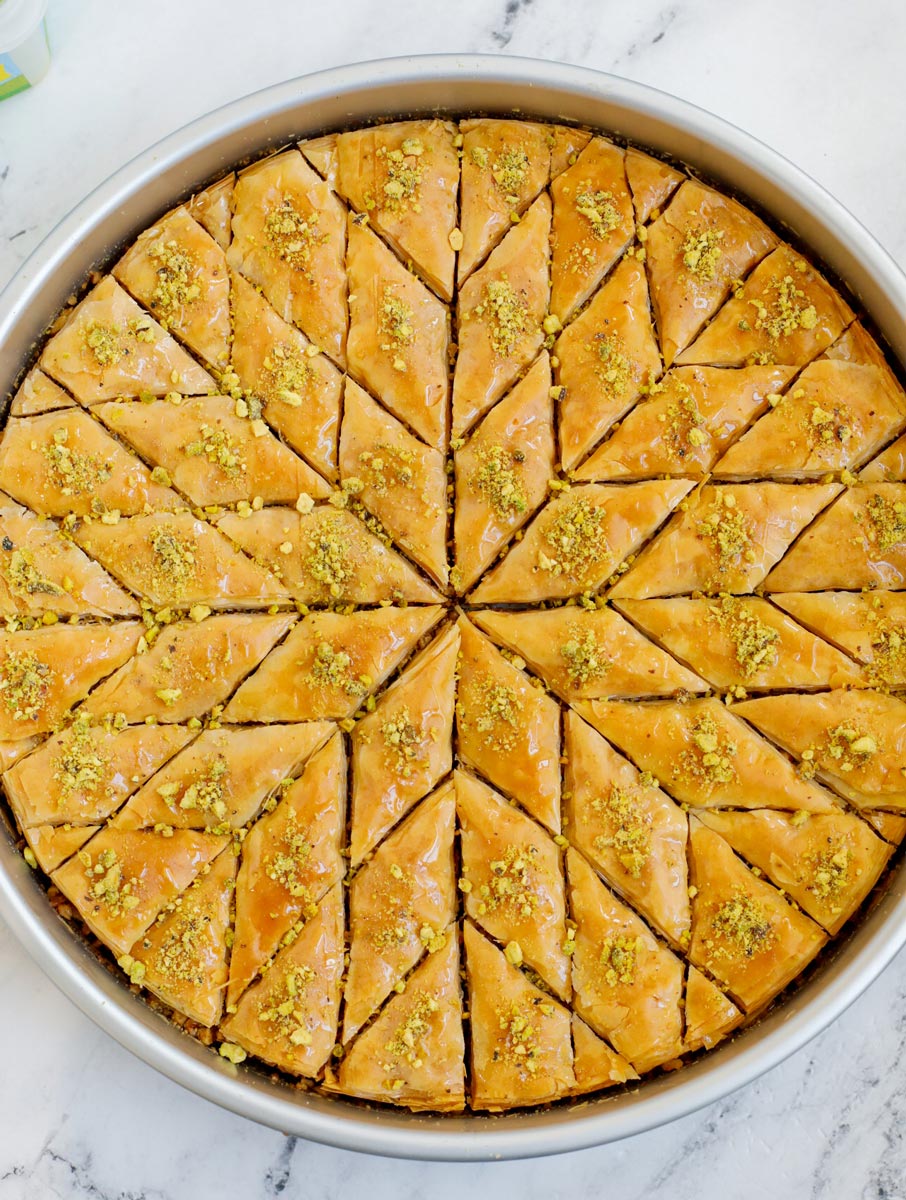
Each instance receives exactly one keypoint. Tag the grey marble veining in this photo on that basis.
(825, 85)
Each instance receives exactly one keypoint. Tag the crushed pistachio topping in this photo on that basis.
(177, 270)
(845, 748)
(396, 327)
(107, 884)
(288, 865)
(683, 420)
(507, 315)
(403, 170)
(888, 650)
(512, 884)
(709, 755)
(613, 367)
(79, 767)
(887, 521)
(726, 527)
(24, 578)
(519, 1042)
(598, 209)
(509, 170)
(783, 309)
(174, 565)
(583, 657)
(283, 1010)
(232, 1053)
(333, 668)
(754, 642)
(179, 958)
(499, 479)
(618, 957)
(25, 682)
(291, 236)
(407, 1045)
(328, 560)
(629, 835)
(386, 466)
(701, 252)
(404, 742)
(286, 374)
(828, 426)
(206, 792)
(743, 925)
(390, 921)
(73, 471)
(219, 448)
(828, 872)
(494, 709)
(105, 343)
(576, 540)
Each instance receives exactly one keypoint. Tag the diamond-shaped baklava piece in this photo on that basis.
(870, 626)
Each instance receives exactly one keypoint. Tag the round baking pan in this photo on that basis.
(170, 171)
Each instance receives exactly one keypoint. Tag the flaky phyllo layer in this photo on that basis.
(454, 581)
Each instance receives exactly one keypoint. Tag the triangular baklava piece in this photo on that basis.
(726, 539)
(508, 729)
(502, 472)
(12, 751)
(111, 347)
(651, 182)
(65, 463)
(398, 335)
(84, 773)
(403, 747)
(627, 985)
(593, 224)
(566, 144)
(182, 958)
(177, 270)
(891, 826)
(607, 358)
(176, 559)
(397, 478)
(633, 833)
(189, 667)
(222, 779)
(704, 755)
(889, 466)
(870, 626)
(44, 672)
(579, 540)
(329, 663)
(584, 654)
(743, 932)
(691, 416)
(500, 309)
(38, 394)
(709, 1014)
(696, 251)
(53, 844)
(521, 1045)
(280, 372)
(513, 882)
(326, 555)
(596, 1065)
(860, 542)
(785, 312)
(289, 1017)
(122, 878)
(836, 415)
(211, 454)
(505, 165)
(290, 858)
(212, 209)
(826, 862)
(412, 1053)
(405, 176)
(742, 641)
(41, 571)
(401, 904)
(289, 239)
(854, 741)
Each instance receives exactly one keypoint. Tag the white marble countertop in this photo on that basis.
(825, 85)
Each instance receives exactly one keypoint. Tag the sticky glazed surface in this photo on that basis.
(453, 650)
